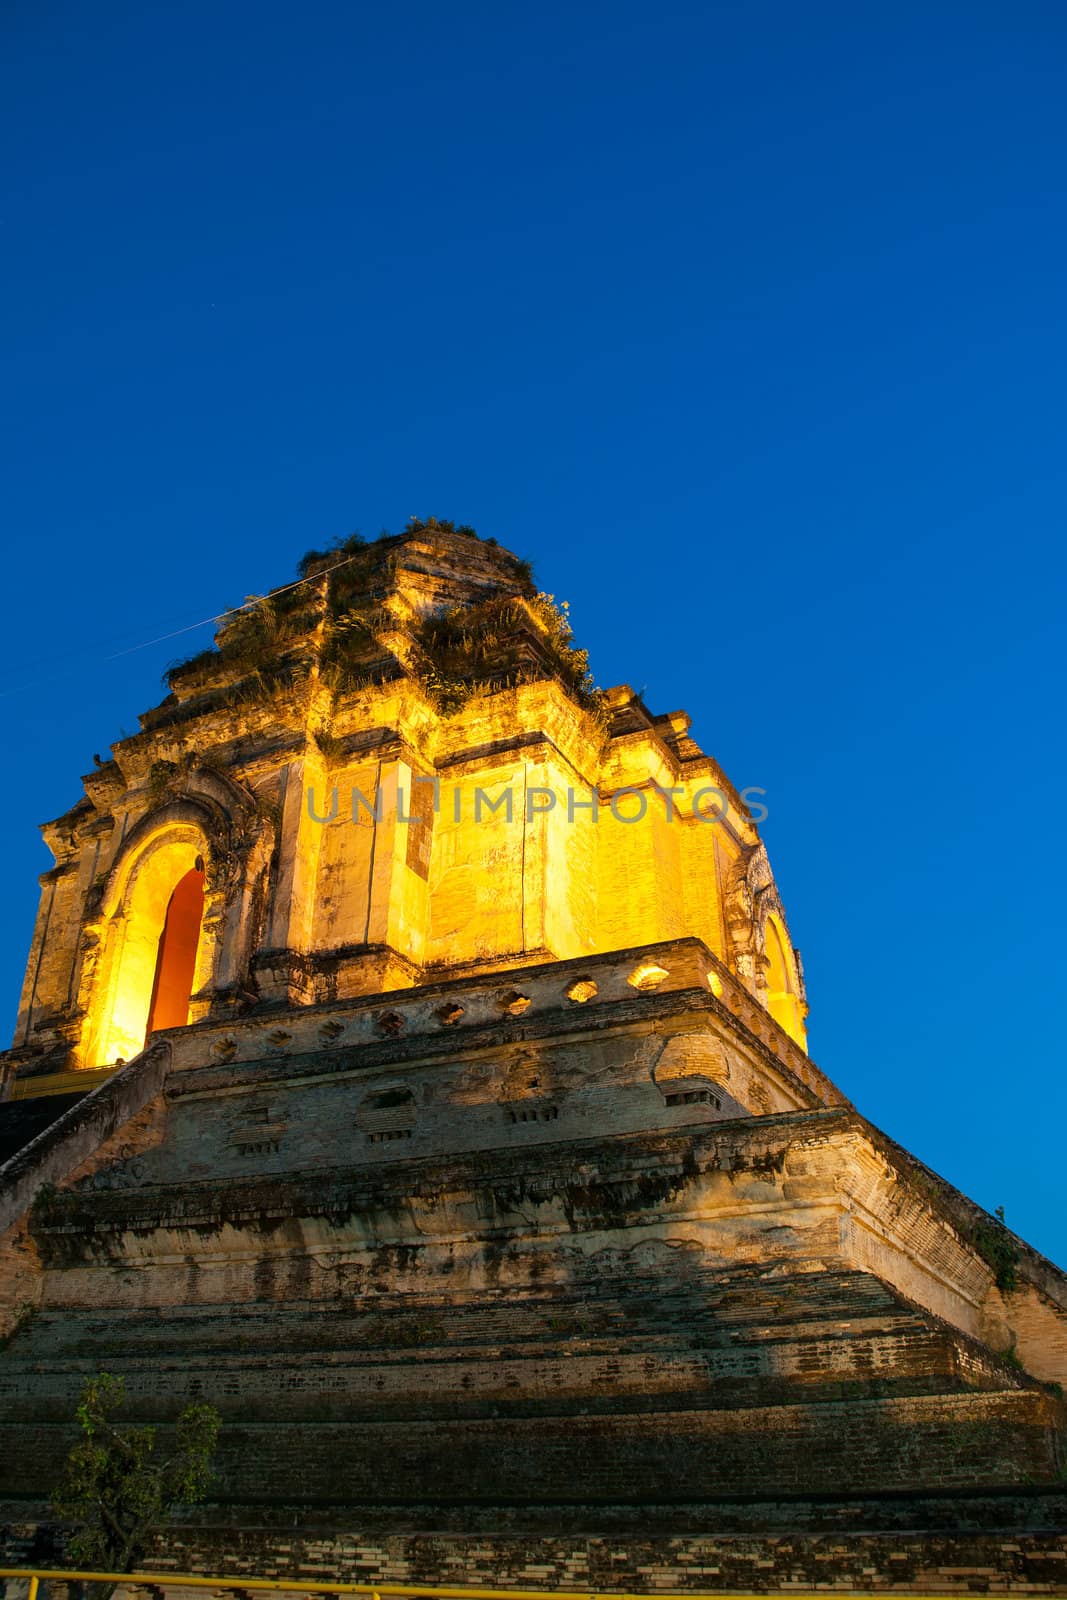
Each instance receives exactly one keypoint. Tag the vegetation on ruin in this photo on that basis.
(115, 1489)
(273, 643)
(163, 774)
(330, 747)
(264, 644)
(998, 1250)
(316, 561)
(498, 644)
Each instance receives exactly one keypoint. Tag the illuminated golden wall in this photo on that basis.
(313, 893)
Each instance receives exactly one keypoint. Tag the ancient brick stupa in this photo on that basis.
(412, 1063)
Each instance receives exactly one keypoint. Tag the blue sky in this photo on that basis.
(744, 322)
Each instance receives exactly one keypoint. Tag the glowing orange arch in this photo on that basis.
(783, 988)
(153, 956)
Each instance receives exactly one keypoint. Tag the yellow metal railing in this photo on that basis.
(375, 1591)
(380, 1591)
(77, 1082)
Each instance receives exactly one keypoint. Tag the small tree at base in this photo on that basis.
(115, 1490)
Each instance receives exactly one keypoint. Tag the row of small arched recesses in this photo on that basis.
(513, 1003)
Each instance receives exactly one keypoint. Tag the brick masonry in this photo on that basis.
(490, 1194)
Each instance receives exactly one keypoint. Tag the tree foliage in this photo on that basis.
(115, 1489)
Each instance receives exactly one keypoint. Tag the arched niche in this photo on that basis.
(156, 952)
(784, 996)
(179, 941)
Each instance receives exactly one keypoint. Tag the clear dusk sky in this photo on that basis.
(744, 322)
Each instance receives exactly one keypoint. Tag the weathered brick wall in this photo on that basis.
(415, 1364)
(925, 1564)
(122, 1117)
(930, 1563)
(428, 1214)
(21, 1278)
(887, 1445)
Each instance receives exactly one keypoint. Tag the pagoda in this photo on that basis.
(412, 1063)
